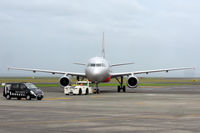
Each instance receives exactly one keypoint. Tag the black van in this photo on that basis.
(22, 90)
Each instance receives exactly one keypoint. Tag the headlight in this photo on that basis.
(33, 93)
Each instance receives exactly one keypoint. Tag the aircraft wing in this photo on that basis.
(149, 71)
(48, 71)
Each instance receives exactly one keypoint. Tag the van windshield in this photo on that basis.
(30, 86)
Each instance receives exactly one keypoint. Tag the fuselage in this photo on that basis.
(98, 70)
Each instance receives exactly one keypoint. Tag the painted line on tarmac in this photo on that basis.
(153, 87)
(53, 99)
(96, 96)
(38, 122)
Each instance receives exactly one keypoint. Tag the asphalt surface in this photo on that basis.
(174, 109)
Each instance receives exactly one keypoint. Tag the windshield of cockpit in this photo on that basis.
(96, 65)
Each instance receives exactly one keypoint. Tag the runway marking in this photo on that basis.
(139, 103)
(53, 99)
(96, 96)
(132, 117)
(151, 94)
(153, 87)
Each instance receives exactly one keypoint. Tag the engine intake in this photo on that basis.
(132, 82)
(65, 81)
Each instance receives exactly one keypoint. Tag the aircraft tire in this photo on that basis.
(98, 91)
(118, 89)
(124, 88)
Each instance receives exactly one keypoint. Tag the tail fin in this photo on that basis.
(103, 47)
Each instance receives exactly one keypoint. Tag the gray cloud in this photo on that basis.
(50, 33)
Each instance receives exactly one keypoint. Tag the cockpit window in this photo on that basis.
(96, 65)
(92, 65)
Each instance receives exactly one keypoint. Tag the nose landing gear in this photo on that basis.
(97, 89)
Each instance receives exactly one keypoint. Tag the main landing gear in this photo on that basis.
(97, 89)
(78, 78)
(121, 87)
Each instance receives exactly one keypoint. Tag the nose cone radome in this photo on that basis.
(95, 75)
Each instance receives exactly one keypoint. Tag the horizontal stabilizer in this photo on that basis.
(82, 64)
(122, 64)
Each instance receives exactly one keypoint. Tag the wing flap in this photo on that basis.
(163, 70)
(47, 71)
(150, 71)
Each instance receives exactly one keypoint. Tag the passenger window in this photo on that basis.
(22, 87)
(15, 86)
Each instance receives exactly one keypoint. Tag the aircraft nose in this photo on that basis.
(95, 75)
(96, 72)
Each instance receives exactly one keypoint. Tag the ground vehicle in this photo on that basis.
(81, 88)
(22, 90)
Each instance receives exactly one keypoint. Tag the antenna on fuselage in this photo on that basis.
(103, 47)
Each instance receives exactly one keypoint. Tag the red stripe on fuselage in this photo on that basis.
(107, 80)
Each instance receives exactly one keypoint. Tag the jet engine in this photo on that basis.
(65, 81)
(132, 82)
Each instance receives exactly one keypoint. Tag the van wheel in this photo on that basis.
(87, 92)
(28, 97)
(80, 92)
(18, 98)
(39, 98)
(8, 97)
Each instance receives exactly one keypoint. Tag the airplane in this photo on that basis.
(98, 70)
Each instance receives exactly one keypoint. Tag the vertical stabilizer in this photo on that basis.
(103, 47)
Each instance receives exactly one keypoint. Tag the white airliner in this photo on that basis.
(98, 70)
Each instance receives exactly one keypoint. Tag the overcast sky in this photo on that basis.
(52, 34)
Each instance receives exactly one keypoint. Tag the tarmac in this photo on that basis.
(174, 109)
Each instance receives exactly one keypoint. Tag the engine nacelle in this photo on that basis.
(65, 81)
(132, 82)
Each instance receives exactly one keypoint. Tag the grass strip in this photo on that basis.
(115, 84)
